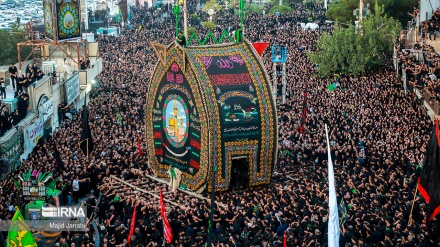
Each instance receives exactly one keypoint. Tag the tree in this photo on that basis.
(209, 25)
(285, 2)
(8, 40)
(281, 9)
(345, 51)
(342, 11)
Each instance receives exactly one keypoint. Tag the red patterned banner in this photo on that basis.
(157, 135)
(194, 164)
(230, 79)
(195, 144)
(159, 151)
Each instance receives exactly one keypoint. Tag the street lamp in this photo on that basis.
(365, 11)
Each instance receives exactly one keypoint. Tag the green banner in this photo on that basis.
(19, 234)
(12, 149)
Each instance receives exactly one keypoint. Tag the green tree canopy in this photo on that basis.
(281, 9)
(209, 25)
(190, 31)
(8, 40)
(342, 11)
(345, 51)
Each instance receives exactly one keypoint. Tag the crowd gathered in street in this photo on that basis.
(378, 135)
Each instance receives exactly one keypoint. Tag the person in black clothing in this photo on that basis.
(35, 69)
(2, 87)
(40, 74)
(15, 118)
(91, 205)
(5, 124)
(67, 193)
(28, 69)
(83, 64)
(21, 83)
(13, 74)
(28, 82)
(23, 103)
(432, 31)
(87, 62)
(181, 39)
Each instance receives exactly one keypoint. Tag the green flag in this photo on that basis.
(19, 234)
(331, 87)
(119, 118)
(120, 13)
(17, 183)
(241, 12)
(343, 211)
(51, 189)
(173, 173)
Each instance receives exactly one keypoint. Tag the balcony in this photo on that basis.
(86, 76)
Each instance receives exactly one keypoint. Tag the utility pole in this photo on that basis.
(361, 9)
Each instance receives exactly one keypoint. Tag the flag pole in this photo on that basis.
(211, 211)
(333, 220)
(163, 228)
(410, 220)
(163, 231)
(2, 238)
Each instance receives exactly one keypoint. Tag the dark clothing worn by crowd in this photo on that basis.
(370, 112)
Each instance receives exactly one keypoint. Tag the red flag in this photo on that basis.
(303, 114)
(429, 180)
(132, 224)
(260, 47)
(167, 232)
(139, 146)
(235, 3)
(285, 240)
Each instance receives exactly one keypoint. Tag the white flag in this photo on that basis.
(325, 4)
(333, 219)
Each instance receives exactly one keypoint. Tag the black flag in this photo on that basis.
(86, 143)
(429, 180)
(303, 114)
(56, 155)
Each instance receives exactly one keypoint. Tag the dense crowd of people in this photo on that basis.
(430, 27)
(378, 140)
(421, 66)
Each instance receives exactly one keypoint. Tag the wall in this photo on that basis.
(427, 7)
(86, 76)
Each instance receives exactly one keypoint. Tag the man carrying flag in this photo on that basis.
(19, 234)
(167, 233)
(56, 155)
(429, 180)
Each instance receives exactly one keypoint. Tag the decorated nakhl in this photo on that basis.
(35, 185)
(207, 105)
